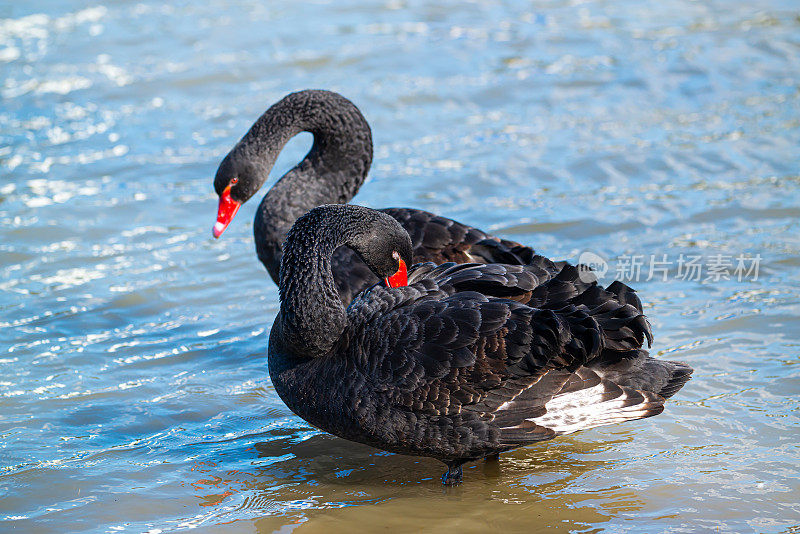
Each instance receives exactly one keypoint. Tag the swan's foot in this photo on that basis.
(493, 457)
(454, 475)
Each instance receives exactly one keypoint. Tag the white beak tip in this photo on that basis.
(218, 229)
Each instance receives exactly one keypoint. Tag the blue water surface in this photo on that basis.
(134, 395)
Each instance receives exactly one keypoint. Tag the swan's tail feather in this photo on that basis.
(681, 373)
(639, 371)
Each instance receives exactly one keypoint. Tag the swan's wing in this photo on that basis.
(439, 239)
(466, 341)
(616, 308)
(460, 342)
(475, 359)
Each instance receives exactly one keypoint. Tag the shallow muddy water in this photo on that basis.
(134, 395)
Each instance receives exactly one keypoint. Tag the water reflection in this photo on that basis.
(133, 387)
(303, 477)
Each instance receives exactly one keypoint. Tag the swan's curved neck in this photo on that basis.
(332, 171)
(312, 316)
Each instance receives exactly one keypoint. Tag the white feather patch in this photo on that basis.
(583, 409)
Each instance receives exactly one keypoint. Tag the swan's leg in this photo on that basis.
(454, 474)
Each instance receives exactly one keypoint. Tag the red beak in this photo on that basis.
(400, 278)
(225, 212)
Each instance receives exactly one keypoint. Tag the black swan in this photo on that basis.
(465, 361)
(332, 172)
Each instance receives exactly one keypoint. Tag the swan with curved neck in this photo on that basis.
(312, 314)
(331, 173)
(465, 362)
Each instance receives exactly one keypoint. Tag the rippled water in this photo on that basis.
(134, 394)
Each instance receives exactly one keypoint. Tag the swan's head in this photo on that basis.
(238, 178)
(378, 239)
(385, 247)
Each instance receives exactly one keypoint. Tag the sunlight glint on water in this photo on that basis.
(134, 394)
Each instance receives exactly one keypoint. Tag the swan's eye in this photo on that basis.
(234, 181)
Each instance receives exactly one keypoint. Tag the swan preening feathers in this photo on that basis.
(464, 362)
(481, 347)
